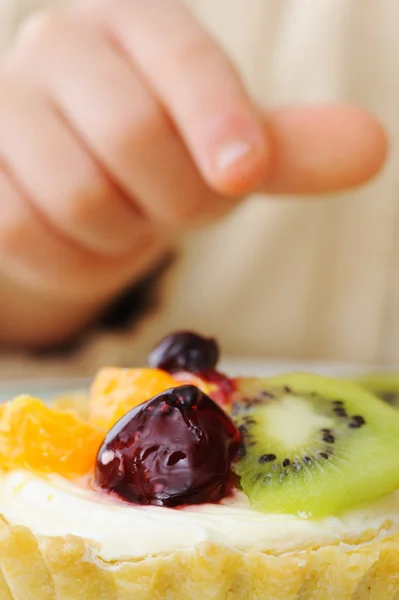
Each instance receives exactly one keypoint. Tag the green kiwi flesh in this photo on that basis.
(383, 385)
(314, 446)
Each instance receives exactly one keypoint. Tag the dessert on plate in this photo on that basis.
(174, 482)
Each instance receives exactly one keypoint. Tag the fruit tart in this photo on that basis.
(175, 482)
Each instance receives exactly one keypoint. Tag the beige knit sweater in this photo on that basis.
(280, 278)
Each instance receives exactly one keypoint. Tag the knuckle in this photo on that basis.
(184, 55)
(85, 214)
(37, 26)
(14, 91)
(97, 218)
(85, 203)
(127, 133)
(201, 51)
(195, 50)
(43, 29)
(15, 240)
(10, 238)
(147, 127)
(13, 222)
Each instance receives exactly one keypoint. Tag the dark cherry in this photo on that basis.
(185, 351)
(175, 449)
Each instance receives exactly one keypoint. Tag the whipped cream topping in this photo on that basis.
(52, 506)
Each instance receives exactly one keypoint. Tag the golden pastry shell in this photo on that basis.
(69, 568)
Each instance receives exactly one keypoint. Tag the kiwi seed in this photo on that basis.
(357, 422)
(265, 458)
(328, 438)
(286, 462)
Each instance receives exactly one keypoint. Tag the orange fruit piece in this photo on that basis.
(116, 391)
(36, 437)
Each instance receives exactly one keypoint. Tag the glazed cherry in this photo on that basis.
(175, 449)
(185, 351)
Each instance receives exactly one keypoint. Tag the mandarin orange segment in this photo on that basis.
(36, 437)
(116, 391)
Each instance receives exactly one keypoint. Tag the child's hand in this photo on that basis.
(123, 121)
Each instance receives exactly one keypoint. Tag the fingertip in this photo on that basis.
(369, 139)
(324, 149)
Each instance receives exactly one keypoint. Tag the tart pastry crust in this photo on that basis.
(68, 568)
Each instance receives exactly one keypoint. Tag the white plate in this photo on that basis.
(41, 388)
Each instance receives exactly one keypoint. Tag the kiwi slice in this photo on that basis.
(314, 446)
(383, 385)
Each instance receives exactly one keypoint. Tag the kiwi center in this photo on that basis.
(293, 421)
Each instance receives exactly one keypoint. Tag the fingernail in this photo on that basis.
(231, 154)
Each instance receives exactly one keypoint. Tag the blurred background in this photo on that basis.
(278, 279)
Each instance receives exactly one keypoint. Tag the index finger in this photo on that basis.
(198, 85)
